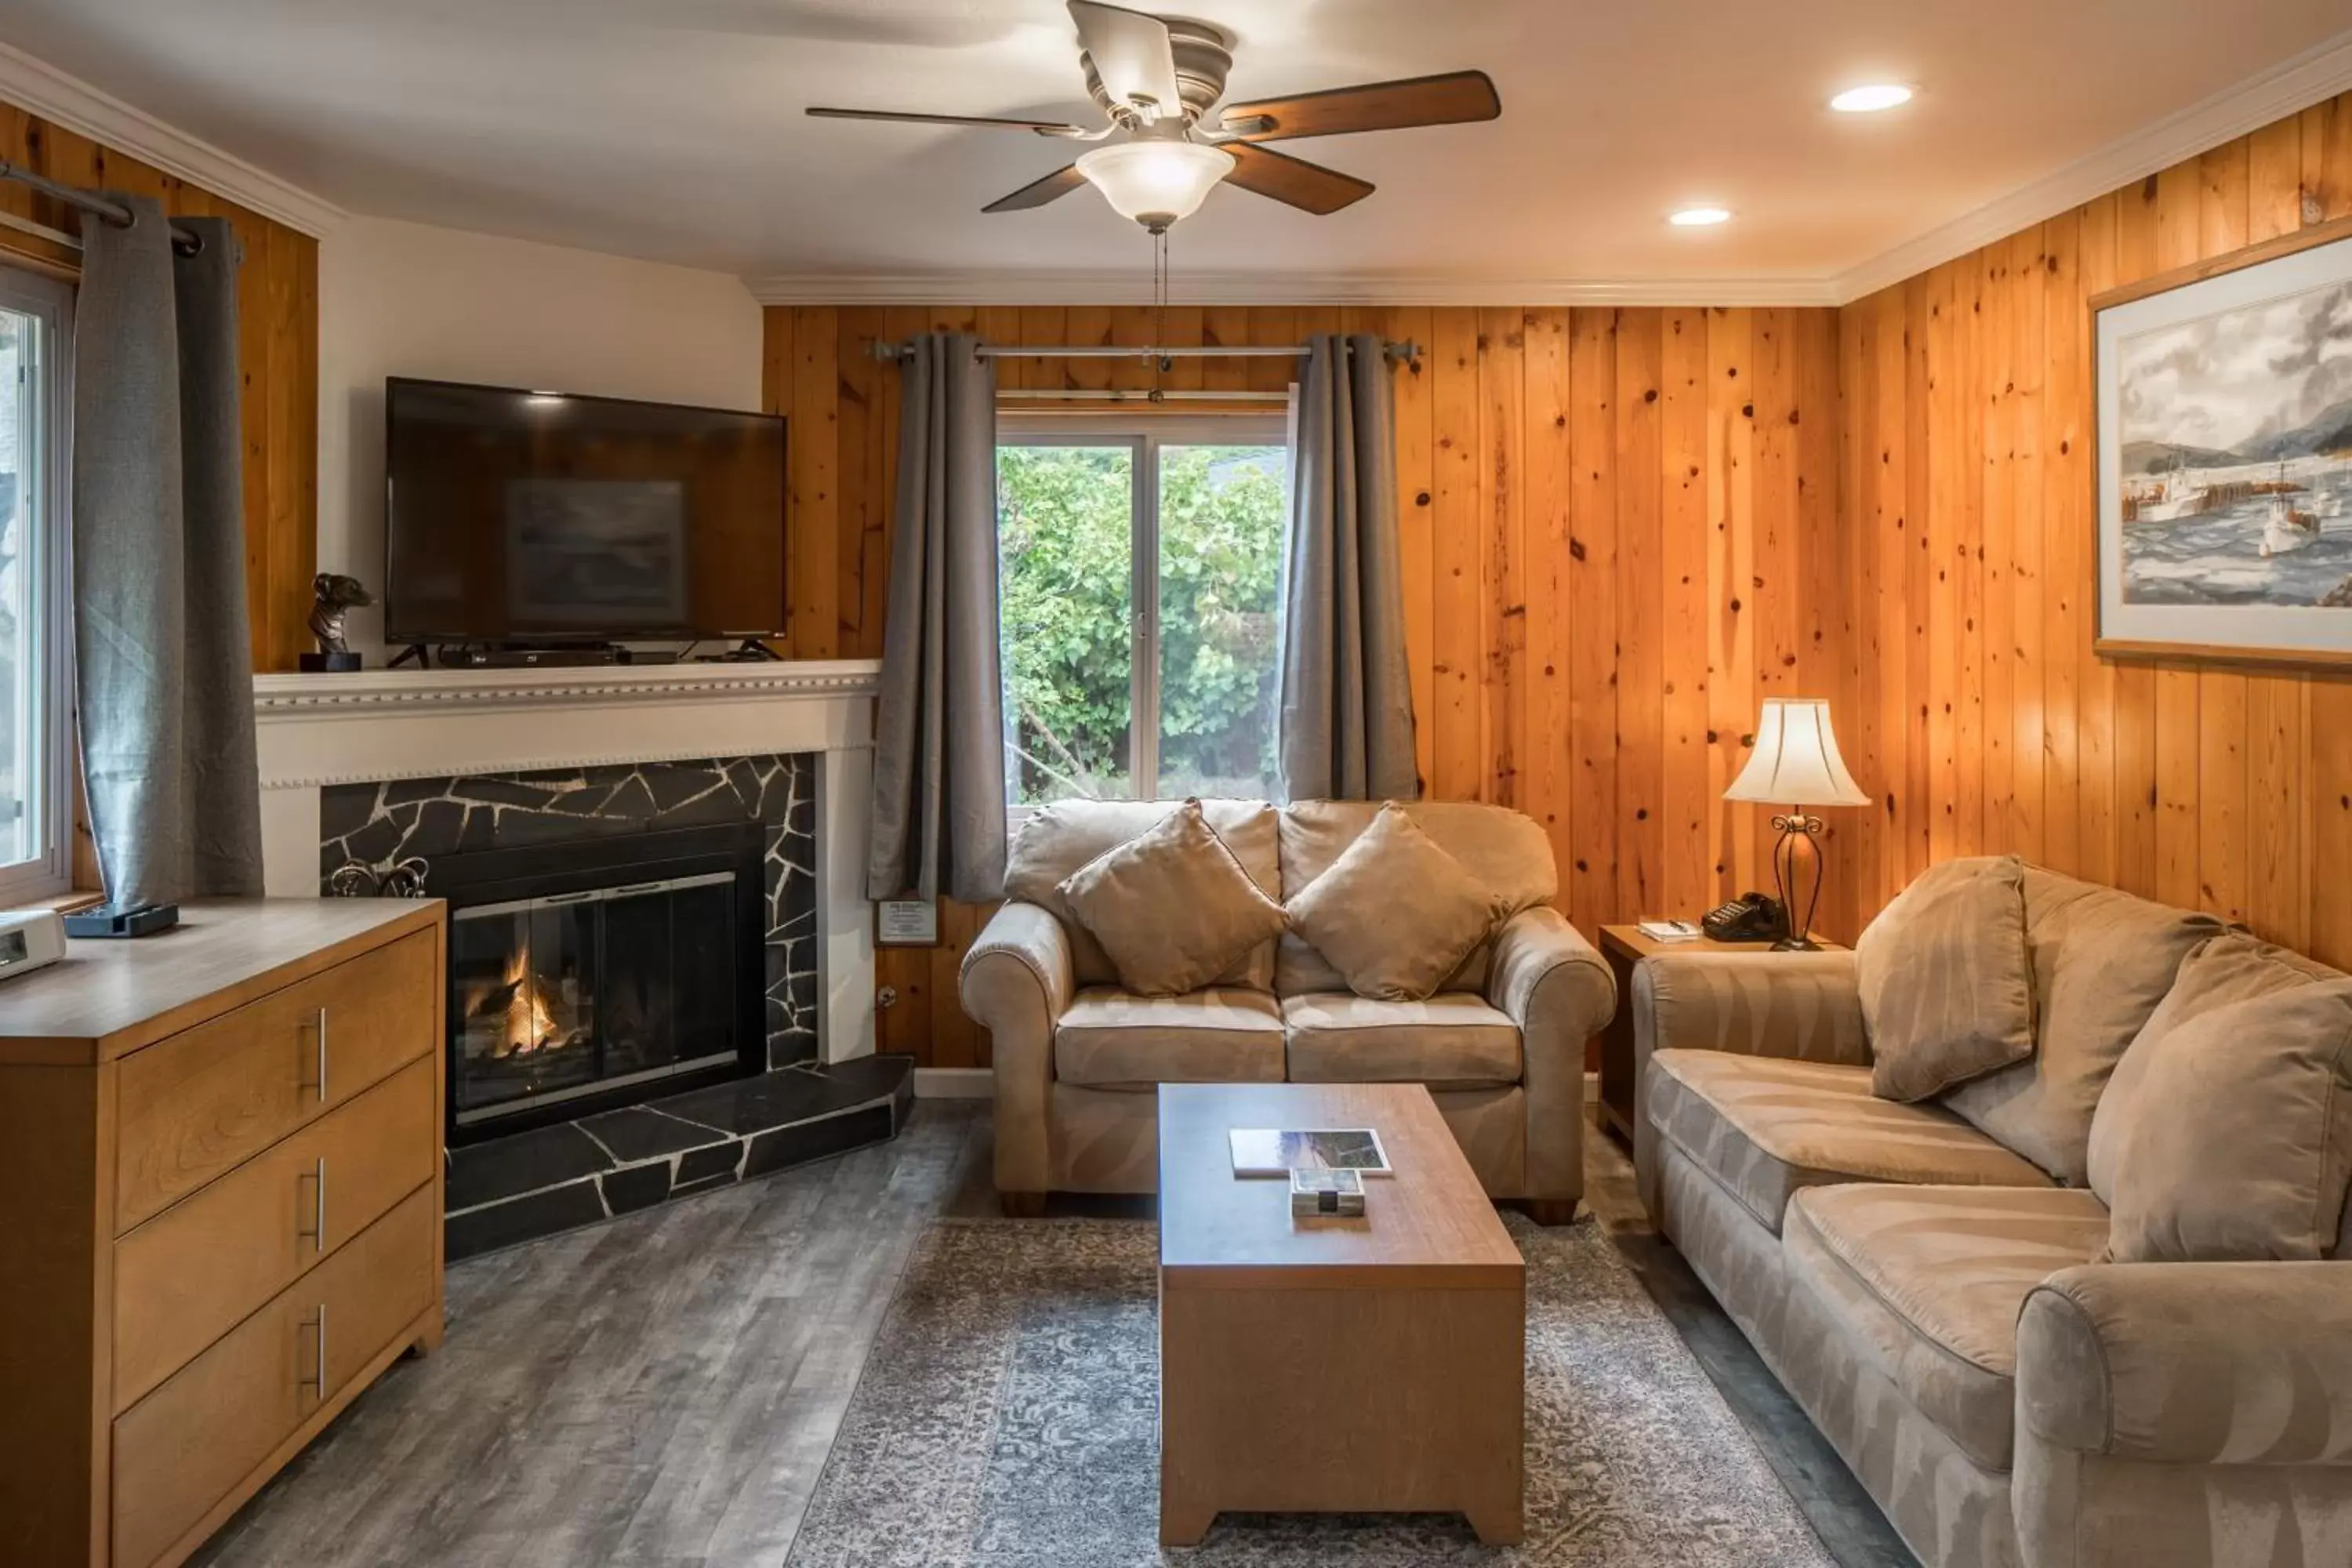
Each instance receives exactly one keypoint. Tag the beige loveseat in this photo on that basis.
(1927, 1291)
(1077, 1061)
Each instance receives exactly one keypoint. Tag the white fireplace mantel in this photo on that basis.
(313, 731)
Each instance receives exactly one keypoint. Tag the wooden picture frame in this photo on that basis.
(2261, 511)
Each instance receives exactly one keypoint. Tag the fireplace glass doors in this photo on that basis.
(597, 980)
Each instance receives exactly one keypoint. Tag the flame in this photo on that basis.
(529, 1026)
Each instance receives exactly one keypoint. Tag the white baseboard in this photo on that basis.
(954, 1083)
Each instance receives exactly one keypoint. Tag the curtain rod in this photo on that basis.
(1124, 394)
(889, 352)
(114, 213)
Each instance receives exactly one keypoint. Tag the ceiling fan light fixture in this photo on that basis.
(1872, 99)
(1156, 182)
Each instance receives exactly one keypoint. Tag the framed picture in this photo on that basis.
(2225, 457)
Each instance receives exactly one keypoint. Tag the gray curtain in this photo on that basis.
(938, 764)
(1347, 697)
(164, 665)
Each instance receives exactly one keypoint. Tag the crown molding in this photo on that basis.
(1105, 287)
(73, 104)
(2317, 74)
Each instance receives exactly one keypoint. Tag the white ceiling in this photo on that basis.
(672, 129)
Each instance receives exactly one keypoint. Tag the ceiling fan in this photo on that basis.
(1157, 79)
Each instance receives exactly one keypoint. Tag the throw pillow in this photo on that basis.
(1395, 914)
(2239, 1144)
(1946, 990)
(2216, 973)
(1172, 907)
(2103, 961)
(1058, 838)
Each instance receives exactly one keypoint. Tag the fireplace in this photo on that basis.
(600, 972)
(386, 782)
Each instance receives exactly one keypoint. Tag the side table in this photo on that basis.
(1624, 947)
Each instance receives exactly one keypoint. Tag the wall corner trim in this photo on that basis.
(2293, 85)
(73, 104)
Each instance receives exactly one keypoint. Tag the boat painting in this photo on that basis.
(2225, 447)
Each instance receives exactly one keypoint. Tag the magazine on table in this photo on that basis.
(1275, 1151)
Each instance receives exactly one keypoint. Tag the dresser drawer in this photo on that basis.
(194, 1105)
(184, 1447)
(188, 1276)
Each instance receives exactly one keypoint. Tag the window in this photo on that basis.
(34, 796)
(1142, 573)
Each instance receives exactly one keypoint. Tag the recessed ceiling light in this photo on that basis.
(1699, 217)
(1872, 99)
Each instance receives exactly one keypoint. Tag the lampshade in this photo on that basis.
(1796, 760)
(1155, 182)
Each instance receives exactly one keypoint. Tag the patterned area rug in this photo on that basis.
(1007, 1417)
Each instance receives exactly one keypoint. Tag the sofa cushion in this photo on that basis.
(1453, 1040)
(1111, 1039)
(1505, 851)
(1928, 1280)
(2235, 1141)
(1058, 839)
(1766, 1127)
(1944, 980)
(1172, 907)
(2218, 971)
(2102, 961)
(1395, 914)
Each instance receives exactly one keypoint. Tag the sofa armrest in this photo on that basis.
(1016, 982)
(1802, 1006)
(1557, 990)
(2211, 1363)
(1805, 1005)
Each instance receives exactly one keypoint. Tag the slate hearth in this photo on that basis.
(368, 830)
(534, 1183)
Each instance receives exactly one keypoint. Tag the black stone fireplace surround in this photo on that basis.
(593, 1158)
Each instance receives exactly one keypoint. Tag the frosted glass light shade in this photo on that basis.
(1796, 760)
(1156, 182)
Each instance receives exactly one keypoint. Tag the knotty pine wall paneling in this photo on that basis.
(1983, 719)
(1619, 530)
(277, 316)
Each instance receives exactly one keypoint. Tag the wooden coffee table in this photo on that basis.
(1363, 1366)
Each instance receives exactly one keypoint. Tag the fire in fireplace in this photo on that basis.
(513, 1017)
(588, 974)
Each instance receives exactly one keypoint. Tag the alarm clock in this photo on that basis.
(30, 940)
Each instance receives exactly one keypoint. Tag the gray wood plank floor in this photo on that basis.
(661, 1391)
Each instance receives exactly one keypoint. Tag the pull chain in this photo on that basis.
(1159, 310)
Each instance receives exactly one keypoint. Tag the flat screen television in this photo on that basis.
(541, 518)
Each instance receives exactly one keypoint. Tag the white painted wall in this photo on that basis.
(403, 299)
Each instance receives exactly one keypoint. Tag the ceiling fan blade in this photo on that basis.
(1041, 126)
(1448, 99)
(1037, 193)
(1311, 187)
(1132, 54)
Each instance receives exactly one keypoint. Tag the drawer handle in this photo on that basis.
(317, 1233)
(316, 1380)
(317, 1027)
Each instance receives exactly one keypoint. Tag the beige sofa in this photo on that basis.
(1077, 1061)
(1926, 1291)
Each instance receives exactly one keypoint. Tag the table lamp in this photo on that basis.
(1796, 764)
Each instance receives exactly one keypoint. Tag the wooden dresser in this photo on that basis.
(220, 1211)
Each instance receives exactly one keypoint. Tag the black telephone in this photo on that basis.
(1751, 917)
